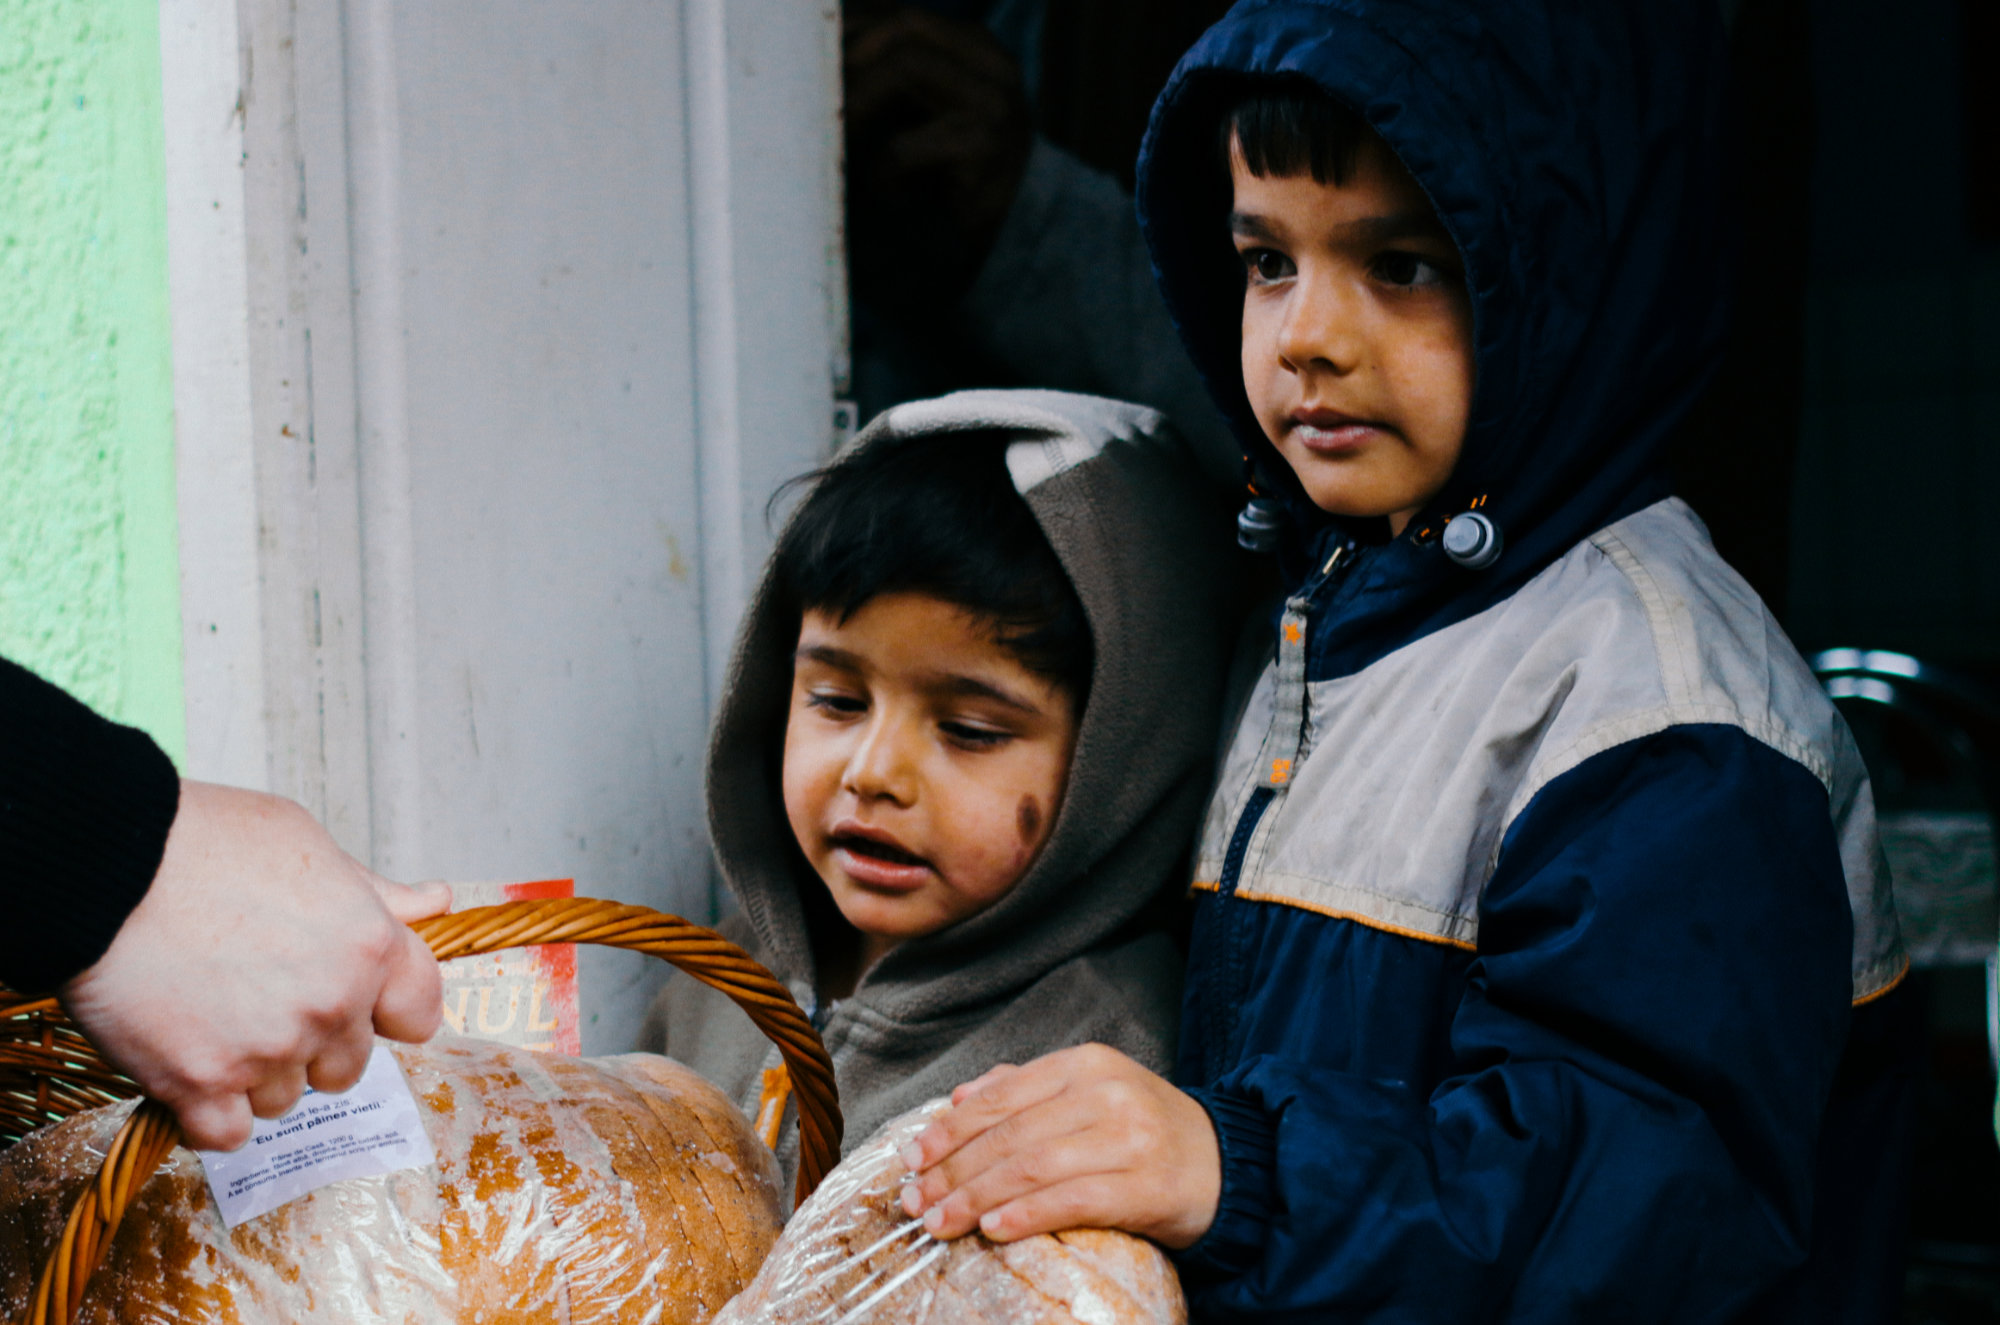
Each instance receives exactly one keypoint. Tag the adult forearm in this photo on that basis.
(85, 808)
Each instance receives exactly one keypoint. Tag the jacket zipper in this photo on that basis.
(1282, 745)
(1280, 752)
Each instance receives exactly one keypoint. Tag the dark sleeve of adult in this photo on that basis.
(1645, 1047)
(85, 805)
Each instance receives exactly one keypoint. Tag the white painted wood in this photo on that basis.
(790, 269)
(718, 379)
(381, 423)
(531, 208)
(536, 306)
(268, 505)
(769, 282)
(221, 609)
(764, 159)
(332, 569)
(307, 499)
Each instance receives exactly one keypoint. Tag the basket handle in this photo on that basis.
(143, 1143)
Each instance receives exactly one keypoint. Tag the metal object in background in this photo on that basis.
(1906, 710)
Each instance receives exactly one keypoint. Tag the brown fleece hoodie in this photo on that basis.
(1064, 958)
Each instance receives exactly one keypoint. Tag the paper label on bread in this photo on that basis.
(850, 1256)
(371, 1129)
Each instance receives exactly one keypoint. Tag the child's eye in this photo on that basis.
(1261, 266)
(833, 702)
(1397, 267)
(973, 737)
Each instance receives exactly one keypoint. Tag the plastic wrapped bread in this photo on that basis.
(851, 1257)
(583, 1191)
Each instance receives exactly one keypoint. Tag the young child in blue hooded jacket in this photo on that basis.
(1544, 966)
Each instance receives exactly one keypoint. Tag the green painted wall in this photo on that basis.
(89, 577)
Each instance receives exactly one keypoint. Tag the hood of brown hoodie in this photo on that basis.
(1121, 499)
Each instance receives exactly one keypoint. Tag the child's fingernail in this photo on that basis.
(934, 1218)
(913, 1200)
(912, 1156)
(989, 1223)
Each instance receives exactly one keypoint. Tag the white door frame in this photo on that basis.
(302, 581)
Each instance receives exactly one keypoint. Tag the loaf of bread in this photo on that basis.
(611, 1190)
(851, 1257)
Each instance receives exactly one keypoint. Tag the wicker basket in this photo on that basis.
(49, 1071)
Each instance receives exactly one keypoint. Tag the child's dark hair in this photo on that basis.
(939, 517)
(1290, 126)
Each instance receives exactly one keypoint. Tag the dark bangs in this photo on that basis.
(939, 517)
(1289, 126)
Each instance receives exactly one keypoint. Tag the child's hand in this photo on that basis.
(1084, 1138)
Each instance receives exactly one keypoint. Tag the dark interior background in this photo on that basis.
(1846, 461)
(1847, 458)
(1898, 343)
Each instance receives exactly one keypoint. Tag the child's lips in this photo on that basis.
(876, 861)
(1331, 433)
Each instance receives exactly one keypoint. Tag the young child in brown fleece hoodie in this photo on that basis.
(965, 739)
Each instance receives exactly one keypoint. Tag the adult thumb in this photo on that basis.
(219, 1121)
(412, 902)
(410, 1006)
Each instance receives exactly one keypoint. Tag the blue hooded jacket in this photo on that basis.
(1543, 957)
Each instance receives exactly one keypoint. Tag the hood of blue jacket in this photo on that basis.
(1574, 151)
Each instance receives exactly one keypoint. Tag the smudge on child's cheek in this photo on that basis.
(1029, 819)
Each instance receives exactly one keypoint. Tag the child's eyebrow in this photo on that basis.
(1362, 230)
(945, 683)
(827, 654)
(1250, 226)
(969, 687)
(1396, 225)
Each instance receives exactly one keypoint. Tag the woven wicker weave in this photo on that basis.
(49, 1071)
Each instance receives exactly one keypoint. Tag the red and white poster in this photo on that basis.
(525, 997)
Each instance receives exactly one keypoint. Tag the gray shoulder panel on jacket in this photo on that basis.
(1637, 629)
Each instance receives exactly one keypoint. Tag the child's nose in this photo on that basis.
(881, 767)
(1321, 327)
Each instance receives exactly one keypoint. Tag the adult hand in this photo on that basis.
(938, 134)
(262, 959)
(1082, 1138)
